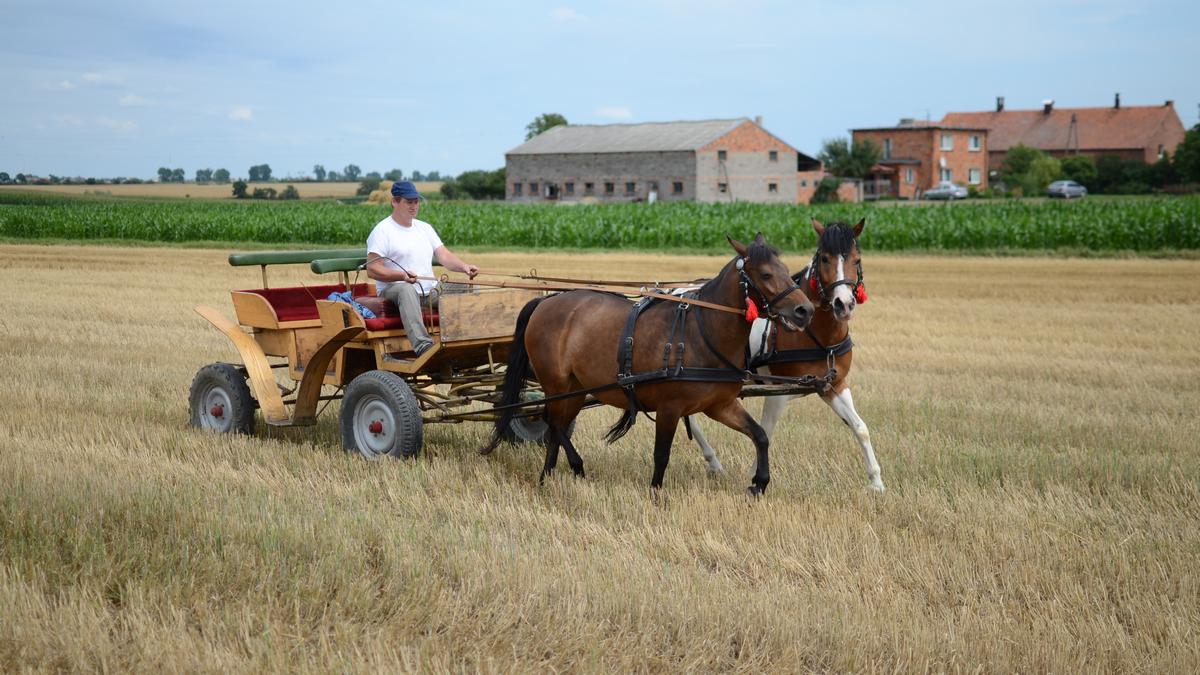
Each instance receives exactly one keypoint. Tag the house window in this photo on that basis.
(589, 188)
(803, 183)
(609, 188)
(908, 176)
(720, 155)
(947, 142)
(946, 175)
(974, 176)
(722, 187)
(773, 155)
(974, 145)
(677, 187)
(629, 188)
(517, 189)
(1161, 151)
(533, 189)
(887, 148)
(772, 187)
(569, 188)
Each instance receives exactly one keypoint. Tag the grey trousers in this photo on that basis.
(409, 302)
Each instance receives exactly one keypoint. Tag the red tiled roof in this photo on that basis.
(1129, 127)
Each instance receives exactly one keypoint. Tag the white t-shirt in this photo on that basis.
(408, 247)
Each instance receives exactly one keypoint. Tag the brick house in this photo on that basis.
(918, 155)
(705, 161)
(1141, 133)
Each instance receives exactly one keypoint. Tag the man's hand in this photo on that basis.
(471, 270)
(410, 277)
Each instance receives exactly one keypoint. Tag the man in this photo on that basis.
(399, 250)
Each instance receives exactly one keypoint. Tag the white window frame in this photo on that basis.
(974, 176)
(974, 145)
(946, 175)
(908, 176)
(947, 142)
(887, 148)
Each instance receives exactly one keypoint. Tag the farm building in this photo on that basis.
(1142, 132)
(917, 155)
(706, 161)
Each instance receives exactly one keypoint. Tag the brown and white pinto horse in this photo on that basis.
(570, 341)
(826, 283)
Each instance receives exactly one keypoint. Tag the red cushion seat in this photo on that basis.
(299, 303)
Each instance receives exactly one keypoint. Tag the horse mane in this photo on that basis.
(755, 253)
(838, 239)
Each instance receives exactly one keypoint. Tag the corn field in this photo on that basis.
(1136, 224)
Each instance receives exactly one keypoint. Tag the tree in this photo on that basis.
(418, 176)
(1017, 162)
(260, 172)
(452, 190)
(221, 176)
(849, 161)
(433, 176)
(319, 172)
(1187, 156)
(1081, 169)
(826, 192)
(164, 174)
(367, 186)
(351, 172)
(543, 122)
(394, 175)
(21, 178)
(5, 178)
(373, 175)
(334, 176)
(177, 176)
(481, 184)
(290, 192)
(203, 175)
(263, 193)
(1041, 173)
(239, 189)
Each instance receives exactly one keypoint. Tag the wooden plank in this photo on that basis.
(262, 381)
(483, 315)
(253, 309)
(304, 412)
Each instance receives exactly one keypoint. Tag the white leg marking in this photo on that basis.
(710, 456)
(843, 406)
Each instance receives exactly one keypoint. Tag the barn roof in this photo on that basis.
(1127, 127)
(643, 137)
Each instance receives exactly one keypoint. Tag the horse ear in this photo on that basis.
(859, 227)
(818, 227)
(760, 239)
(737, 246)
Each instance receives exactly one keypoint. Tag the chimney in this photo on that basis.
(758, 120)
(1047, 106)
(1117, 101)
(906, 121)
(999, 104)
(1169, 104)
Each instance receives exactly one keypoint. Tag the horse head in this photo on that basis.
(837, 257)
(766, 281)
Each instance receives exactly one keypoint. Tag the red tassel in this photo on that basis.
(860, 294)
(751, 310)
(812, 283)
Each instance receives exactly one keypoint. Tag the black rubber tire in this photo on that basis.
(378, 396)
(220, 400)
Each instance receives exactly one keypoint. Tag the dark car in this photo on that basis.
(1066, 189)
(946, 190)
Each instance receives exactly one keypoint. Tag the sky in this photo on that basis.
(121, 88)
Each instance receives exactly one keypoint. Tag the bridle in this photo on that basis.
(824, 291)
(748, 284)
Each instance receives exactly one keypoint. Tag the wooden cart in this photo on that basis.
(388, 393)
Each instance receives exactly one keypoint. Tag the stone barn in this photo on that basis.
(705, 161)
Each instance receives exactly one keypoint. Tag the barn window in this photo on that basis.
(722, 187)
(517, 188)
(773, 155)
(589, 188)
(609, 188)
(630, 188)
(533, 189)
(569, 188)
(677, 187)
(772, 187)
(720, 155)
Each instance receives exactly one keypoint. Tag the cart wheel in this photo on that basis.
(532, 429)
(380, 416)
(220, 400)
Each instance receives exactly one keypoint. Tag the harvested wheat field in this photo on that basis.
(1035, 420)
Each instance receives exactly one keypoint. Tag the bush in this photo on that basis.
(826, 191)
(263, 193)
(239, 189)
(290, 192)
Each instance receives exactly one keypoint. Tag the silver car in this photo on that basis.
(1066, 189)
(946, 190)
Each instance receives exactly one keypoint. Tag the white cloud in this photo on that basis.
(132, 100)
(102, 78)
(614, 112)
(115, 125)
(241, 113)
(565, 14)
(66, 85)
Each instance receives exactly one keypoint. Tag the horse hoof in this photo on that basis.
(755, 491)
(876, 486)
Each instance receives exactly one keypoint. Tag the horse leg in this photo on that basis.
(664, 435)
(710, 456)
(734, 416)
(843, 404)
(560, 423)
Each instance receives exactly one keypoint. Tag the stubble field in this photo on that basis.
(1035, 420)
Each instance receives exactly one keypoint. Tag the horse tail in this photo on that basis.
(514, 378)
(624, 424)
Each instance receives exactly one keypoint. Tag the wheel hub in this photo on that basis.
(217, 411)
(375, 427)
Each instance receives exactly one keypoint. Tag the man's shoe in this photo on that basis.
(422, 348)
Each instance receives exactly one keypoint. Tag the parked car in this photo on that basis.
(946, 190)
(1066, 189)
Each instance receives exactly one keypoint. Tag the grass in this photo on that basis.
(1034, 417)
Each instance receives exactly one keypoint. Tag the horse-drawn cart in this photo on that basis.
(388, 393)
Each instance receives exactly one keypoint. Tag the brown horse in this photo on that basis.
(570, 341)
(826, 341)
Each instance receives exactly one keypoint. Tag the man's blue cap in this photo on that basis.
(405, 190)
